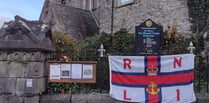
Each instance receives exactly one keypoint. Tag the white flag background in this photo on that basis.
(171, 81)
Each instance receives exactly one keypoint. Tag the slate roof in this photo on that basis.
(77, 22)
(22, 34)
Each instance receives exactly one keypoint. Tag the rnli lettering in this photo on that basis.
(127, 63)
(178, 95)
(177, 61)
(125, 95)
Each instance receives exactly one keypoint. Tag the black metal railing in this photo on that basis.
(201, 81)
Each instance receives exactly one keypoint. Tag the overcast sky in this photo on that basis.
(28, 9)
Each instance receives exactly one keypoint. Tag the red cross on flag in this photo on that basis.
(152, 79)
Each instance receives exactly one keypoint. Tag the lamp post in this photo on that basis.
(101, 50)
(191, 47)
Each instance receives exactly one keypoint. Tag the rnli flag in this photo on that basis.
(152, 79)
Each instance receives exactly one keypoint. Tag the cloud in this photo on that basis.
(4, 19)
(10, 10)
(6, 13)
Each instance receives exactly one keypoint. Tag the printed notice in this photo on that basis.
(65, 70)
(87, 71)
(76, 71)
(29, 82)
(54, 72)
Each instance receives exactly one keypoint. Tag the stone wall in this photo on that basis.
(78, 98)
(97, 98)
(71, 3)
(22, 76)
(78, 23)
(131, 15)
(128, 16)
(103, 14)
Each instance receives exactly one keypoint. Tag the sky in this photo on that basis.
(28, 9)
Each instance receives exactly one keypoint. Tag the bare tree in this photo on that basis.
(199, 15)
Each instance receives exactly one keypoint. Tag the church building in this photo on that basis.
(83, 18)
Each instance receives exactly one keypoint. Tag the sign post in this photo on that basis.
(148, 38)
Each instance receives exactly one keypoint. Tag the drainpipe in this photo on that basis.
(112, 21)
(112, 17)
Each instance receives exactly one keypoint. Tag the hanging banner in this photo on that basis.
(152, 79)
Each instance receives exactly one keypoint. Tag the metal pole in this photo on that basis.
(112, 17)
(100, 74)
(79, 87)
(207, 73)
(112, 23)
(199, 74)
(101, 50)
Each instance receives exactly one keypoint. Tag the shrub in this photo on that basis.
(65, 45)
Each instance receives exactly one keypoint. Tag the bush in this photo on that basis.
(65, 45)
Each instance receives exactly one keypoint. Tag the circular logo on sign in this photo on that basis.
(148, 23)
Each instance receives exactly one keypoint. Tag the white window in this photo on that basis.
(94, 3)
(124, 2)
(90, 4)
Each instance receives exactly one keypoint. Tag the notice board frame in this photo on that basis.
(70, 80)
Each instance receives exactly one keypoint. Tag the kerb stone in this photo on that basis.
(34, 99)
(84, 98)
(15, 99)
(63, 98)
(3, 99)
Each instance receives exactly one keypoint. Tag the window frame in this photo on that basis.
(90, 4)
(125, 2)
(94, 4)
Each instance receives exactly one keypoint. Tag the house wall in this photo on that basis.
(51, 13)
(71, 3)
(165, 12)
(128, 16)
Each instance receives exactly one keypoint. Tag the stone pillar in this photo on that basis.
(22, 76)
(24, 46)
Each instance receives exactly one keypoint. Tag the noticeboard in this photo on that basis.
(148, 38)
(72, 72)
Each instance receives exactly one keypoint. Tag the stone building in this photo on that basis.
(24, 48)
(77, 22)
(112, 15)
